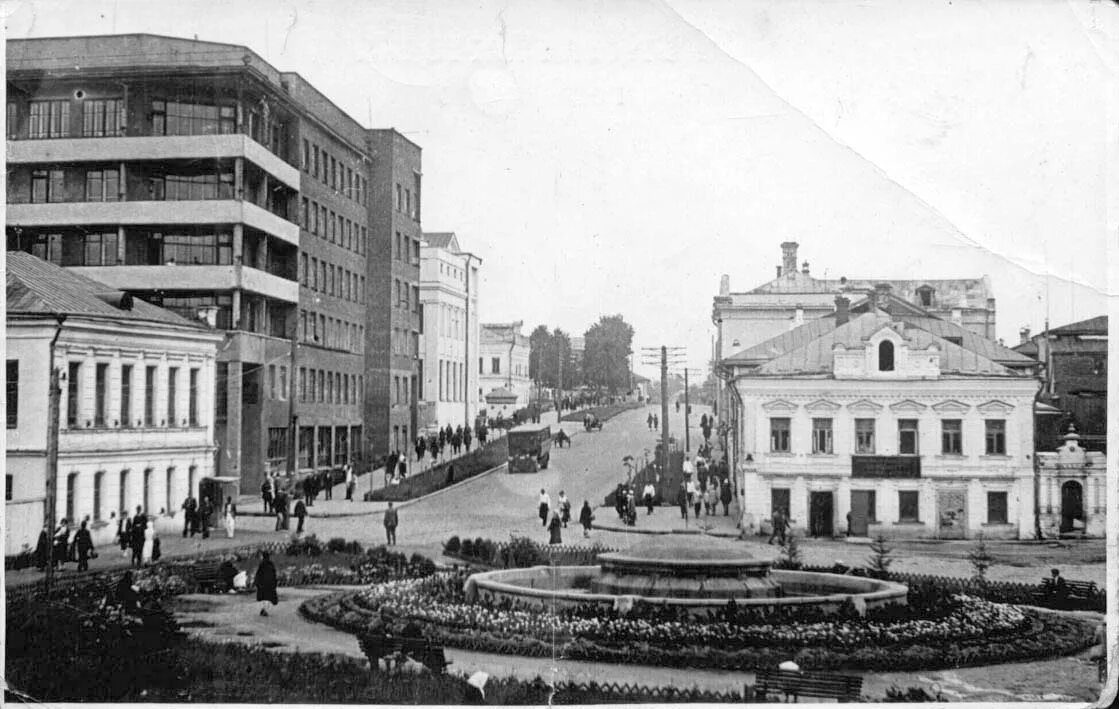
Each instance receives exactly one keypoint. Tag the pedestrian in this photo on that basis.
(266, 493)
(712, 496)
(300, 514)
(229, 514)
(190, 510)
(402, 466)
(631, 507)
(139, 527)
(265, 582)
(59, 541)
(649, 493)
(84, 542)
(310, 484)
(725, 496)
(450, 474)
(780, 524)
(682, 500)
(278, 507)
(586, 517)
(148, 552)
(43, 549)
(545, 505)
(564, 509)
(649, 421)
(351, 482)
(392, 519)
(467, 436)
(205, 511)
(555, 526)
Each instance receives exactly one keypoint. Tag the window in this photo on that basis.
(72, 394)
(306, 156)
(996, 508)
(864, 436)
(283, 383)
(102, 185)
(98, 494)
(408, 202)
(193, 406)
(315, 162)
(9, 479)
(97, 250)
(194, 249)
(188, 118)
(277, 443)
(13, 119)
(907, 436)
(322, 386)
(126, 395)
(925, 296)
(886, 356)
(996, 437)
(48, 186)
(779, 435)
(11, 411)
(191, 186)
(123, 500)
(101, 392)
(149, 396)
(172, 385)
(399, 198)
(49, 119)
(102, 117)
(71, 494)
(908, 506)
(302, 384)
(951, 437)
(821, 436)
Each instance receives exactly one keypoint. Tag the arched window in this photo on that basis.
(71, 495)
(98, 495)
(147, 498)
(886, 356)
(169, 488)
(124, 499)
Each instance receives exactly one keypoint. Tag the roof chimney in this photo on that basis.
(789, 257)
(724, 285)
(842, 313)
(778, 271)
(1024, 333)
(881, 295)
(804, 268)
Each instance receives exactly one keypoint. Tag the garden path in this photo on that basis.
(235, 618)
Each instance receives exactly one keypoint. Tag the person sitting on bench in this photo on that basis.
(1060, 588)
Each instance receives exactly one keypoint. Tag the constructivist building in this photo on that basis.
(136, 423)
(883, 418)
(503, 362)
(449, 277)
(198, 177)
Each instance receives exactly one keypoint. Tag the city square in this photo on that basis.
(272, 438)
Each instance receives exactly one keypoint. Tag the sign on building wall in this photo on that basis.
(885, 466)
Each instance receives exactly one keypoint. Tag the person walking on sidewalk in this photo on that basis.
(266, 582)
(266, 493)
(586, 517)
(328, 485)
(229, 514)
(351, 482)
(467, 436)
(649, 493)
(544, 507)
(136, 540)
(564, 508)
(725, 496)
(190, 515)
(300, 514)
(555, 527)
(780, 525)
(84, 542)
(392, 519)
(205, 511)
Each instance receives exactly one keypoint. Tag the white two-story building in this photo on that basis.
(136, 424)
(881, 418)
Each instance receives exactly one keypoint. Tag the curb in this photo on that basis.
(635, 530)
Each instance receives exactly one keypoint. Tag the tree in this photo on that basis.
(880, 562)
(606, 357)
(538, 343)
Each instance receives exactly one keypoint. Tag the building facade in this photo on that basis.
(503, 361)
(876, 419)
(136, 425)
(198, 177)
(449, 278)
(1074, 363)
(394, 319)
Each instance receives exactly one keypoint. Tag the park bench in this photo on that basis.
(207, 575)
(429, 654)
(1074, 590)
(845, 688)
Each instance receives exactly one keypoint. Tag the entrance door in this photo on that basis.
(779, 500)
(1072, 504)
(951, 508)
(820, 514)
(860, 512)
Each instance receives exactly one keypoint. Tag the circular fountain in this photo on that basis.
(698, 573)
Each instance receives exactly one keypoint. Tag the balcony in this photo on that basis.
(216, 211)
(194, 278)
(886, 466)
(178, 147)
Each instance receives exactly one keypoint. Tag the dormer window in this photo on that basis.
(886, 356)
(925, 296)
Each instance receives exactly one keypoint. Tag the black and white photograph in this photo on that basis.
(534, 352)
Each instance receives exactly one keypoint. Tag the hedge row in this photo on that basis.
(494, 453)
(522, 552)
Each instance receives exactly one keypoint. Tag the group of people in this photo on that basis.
(196, 516)
(459, 439)
(703, 494)
(653, 421)
(64, 545)
(555, 517)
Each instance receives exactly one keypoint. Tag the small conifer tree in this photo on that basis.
(882, 558)
(981, 559)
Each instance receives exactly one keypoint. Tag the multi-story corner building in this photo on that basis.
(879, 418)
(394, 320)
(503, 361)
(198, 177)
(1074, 363)
(136, 425)
(449, 391)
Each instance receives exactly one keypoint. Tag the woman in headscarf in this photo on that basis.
(555, 528)
(265, 582)
(43, 549)
(586, 517)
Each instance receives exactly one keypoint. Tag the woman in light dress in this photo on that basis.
(149, 543)
(230, 516)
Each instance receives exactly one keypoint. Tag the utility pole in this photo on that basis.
(687, 414)
(52, 453)
(667, 356)
(293, 419)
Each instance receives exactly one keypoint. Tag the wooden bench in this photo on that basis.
(429, 654)
(207, 574)
(845, 688)
(1074, 590)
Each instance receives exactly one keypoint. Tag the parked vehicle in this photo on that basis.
(530, 447)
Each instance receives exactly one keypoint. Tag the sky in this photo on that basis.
(619, 157)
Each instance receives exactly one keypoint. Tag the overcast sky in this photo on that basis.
(618, 157)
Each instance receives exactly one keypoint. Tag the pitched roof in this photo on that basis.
(35, 286)
(442, 240)
(1091, 326)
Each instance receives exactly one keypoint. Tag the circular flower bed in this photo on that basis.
(957, 630)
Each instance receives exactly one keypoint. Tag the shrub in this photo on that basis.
(790, 553)
(467, 548)
(453, 545)
(304, 546)
(881, 560)
(981, 559)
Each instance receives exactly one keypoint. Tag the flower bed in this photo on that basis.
(491, 455)
(960, 631)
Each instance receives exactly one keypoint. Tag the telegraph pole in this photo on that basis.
(52, 454)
